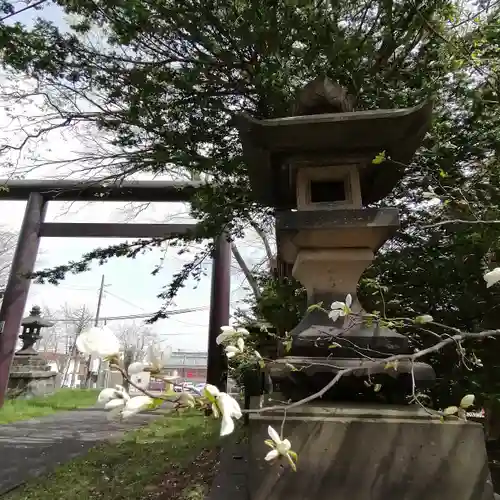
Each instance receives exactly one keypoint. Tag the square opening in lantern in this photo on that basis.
(325, 191)
(328, 187)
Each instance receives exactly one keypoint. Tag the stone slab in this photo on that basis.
(378, 453)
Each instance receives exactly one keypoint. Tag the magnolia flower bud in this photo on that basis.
(425, 318)
(467, 401)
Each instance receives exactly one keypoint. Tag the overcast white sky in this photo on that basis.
(130, 287)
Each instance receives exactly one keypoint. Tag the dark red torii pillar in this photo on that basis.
(16, 291)
(220, 297)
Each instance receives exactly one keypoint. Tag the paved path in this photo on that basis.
(34, 447)
(232, 478)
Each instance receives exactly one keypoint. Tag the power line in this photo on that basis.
(135, 316)
(107, 292)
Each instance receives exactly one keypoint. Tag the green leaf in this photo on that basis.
(379, 158)
(287, 344)
(157, 402)
(392, 364)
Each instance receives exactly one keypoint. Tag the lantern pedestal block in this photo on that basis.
(30, 377)
(369, 452)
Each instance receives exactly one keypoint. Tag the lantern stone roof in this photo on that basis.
(35, 318)
(274, 148)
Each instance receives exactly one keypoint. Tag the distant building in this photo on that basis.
(191, 366)
(72, 371)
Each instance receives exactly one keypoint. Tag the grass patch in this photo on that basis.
(64, 399)
(145, 464)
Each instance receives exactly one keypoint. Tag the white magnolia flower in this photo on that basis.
(230, 332)
(280, 447)
(98, 341)
(225, 405)
(340, 309)
(257, 355)
(492, 277)
(233, 350)
(113, 399)
(156, 357)
(106, 395)
(114, 404)
(467, 401)
(135, 405)
(425, 318)
(186, 399)
(135, 368)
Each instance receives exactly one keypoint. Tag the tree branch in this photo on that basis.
(265, 240)
(375, 364)
(24, 9)
(246, 271)
(461, 221)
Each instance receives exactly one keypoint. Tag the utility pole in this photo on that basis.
(99, 302)
(88, 377)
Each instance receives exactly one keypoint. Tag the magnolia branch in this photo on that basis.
(124, 374)
(459, 337)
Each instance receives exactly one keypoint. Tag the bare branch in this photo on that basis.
(460, 221)
(24, 9)
(246, 271)
(265, 240)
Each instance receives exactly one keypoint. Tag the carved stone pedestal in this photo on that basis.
(30, 376)
(370, 453)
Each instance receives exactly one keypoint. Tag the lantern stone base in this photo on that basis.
(30, 377)
(370, 453)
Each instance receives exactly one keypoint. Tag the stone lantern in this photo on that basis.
(30, 375)
(317, 170)
(32, 326)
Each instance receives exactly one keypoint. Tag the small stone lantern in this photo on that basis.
(316, 169)
(32, 326)
(30, 375)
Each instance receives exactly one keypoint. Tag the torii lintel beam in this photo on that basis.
(112, 230)
(100, 190)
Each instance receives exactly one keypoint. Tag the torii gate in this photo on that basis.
(38, 193)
